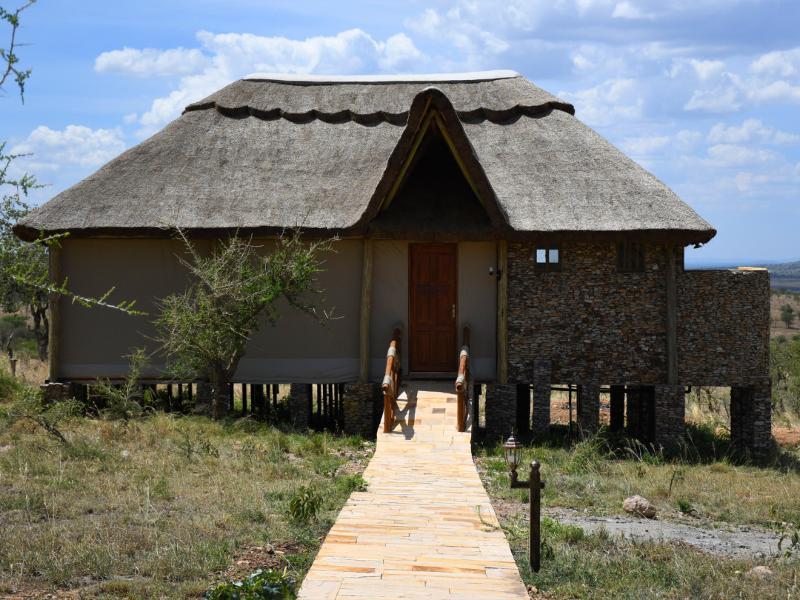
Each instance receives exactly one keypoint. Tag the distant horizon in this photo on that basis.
(734, 262)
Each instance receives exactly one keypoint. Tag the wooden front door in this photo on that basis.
(433, 291)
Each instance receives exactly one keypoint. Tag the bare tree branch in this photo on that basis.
(9, 56)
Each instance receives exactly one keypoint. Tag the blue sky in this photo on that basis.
(704, 93)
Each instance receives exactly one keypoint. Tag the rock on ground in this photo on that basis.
(639, 506)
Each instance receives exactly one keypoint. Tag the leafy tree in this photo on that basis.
(234, 291)
(787, 315)
(785, 374)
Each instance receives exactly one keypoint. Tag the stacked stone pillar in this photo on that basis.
(358, 402)
(300, 395)
(751, 419)
(670, 410)
(501, 410)
(589, 407)
(541, 395)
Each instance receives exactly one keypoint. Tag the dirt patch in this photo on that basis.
(786, 436)
(732, 542)
(251, 558)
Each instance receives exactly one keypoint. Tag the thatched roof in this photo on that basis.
(264, 154)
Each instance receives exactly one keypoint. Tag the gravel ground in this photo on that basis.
(733, 542)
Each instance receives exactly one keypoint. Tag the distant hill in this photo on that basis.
(790, 269)
(785, 276)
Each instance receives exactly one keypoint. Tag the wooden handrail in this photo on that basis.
(462, 382)
(391, 379)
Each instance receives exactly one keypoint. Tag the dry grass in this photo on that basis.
(587, 477)
(778, 327)
(159, 507)
(29, 370)
(578, 565)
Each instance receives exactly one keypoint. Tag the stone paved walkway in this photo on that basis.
(425, 527)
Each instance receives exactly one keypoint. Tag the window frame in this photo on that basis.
(547, 266)
(631, 257)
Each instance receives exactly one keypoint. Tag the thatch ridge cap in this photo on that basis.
(310, 79)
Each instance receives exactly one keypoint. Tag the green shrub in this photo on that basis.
(684, 506)
(9, 387)
(304, 505)
(267, 585)
(554, 530)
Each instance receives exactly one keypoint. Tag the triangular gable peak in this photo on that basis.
(433, 125)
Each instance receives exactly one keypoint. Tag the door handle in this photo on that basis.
(453, 312)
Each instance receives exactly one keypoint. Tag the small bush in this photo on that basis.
(304, 505)
(354, 483)
(554, 530)
(9, 387)
(684, 506)
(266, 585)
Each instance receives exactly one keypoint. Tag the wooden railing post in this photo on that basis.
(391, 379)
(462, 383)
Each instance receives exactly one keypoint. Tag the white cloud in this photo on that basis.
(783, 63)
(628, 10)
(610, 101)
(706, 69)
(645, 145)
(75, 145)
(722, 98)
(229, 56)
(464, 26)
(775, 91)
(751, 130)
(149, 62)
(732, 155)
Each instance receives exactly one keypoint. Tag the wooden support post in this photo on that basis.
(257, 395)
(502, 313)
(54, 305)
(535, 541)
(523, 422)
(617, 408)
(672, 318)
(366, 304)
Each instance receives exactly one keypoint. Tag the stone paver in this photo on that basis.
(425, 527)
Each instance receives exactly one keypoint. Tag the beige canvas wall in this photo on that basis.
(477, 302)
(95, 341)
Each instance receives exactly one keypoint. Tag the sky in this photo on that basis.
(703, 93)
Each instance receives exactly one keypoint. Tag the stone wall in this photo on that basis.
(358, 402)
(723, 327)
(593, 323)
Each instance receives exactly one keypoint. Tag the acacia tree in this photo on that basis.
(24, 272)
(787, 315)
(233, 291)
(13, 192)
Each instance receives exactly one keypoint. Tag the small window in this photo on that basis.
(548, 259)
(630, 257)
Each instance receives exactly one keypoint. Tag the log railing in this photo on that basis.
(391, 380)
(462, 383)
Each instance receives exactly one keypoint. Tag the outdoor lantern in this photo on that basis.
(513, 453)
